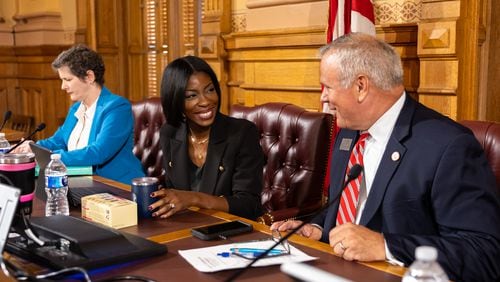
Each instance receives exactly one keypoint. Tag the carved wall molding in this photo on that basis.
(397, 11)
(42, 28)
(6, 34)
(238, 23)
(252, 4)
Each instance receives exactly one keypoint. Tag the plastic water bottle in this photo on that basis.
(425, 268)
(4, 144)
(56, 187)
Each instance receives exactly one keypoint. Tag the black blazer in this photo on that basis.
(233, 166)
(433, 187)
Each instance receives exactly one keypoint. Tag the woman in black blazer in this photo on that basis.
(211, 160)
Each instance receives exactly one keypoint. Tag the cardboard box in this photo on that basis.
(109, 210)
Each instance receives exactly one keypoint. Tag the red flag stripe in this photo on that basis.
(332, 17)
(365, 8)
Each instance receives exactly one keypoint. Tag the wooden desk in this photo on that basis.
(175, 232)
(13, 136)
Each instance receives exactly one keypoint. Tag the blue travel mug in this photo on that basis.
(142, 188)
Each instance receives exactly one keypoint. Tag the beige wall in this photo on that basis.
(36, 6)
(38, 22)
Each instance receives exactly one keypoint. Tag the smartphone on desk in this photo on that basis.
(215, 231)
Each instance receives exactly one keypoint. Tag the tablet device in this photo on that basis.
(220, 230)
(42, 156)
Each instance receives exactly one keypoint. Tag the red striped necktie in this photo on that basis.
(350, 195)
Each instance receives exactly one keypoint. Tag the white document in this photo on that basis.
(209, 259)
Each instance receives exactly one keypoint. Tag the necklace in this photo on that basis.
(194, 141)
(198, 149)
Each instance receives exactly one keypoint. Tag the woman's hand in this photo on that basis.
(170, 201)
(23, 148)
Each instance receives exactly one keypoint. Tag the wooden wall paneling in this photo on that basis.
(283, 65)
(491, 81)
(136, 50)
(470, 26)
(38, 91)
(175, 30)
(439, 60)
(8, 80)
(83, 22)
(110, 44)
(275, 66)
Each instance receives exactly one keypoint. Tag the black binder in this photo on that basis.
(85, 244)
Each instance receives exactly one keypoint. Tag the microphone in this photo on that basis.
(40, 127)
(6, 117)
(354, 172)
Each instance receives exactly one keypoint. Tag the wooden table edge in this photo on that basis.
(186, 233)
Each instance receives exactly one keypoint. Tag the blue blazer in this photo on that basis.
(109, 149)
(233, 166)
(440, 192)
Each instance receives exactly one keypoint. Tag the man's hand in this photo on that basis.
(355, 242)
(310, 231)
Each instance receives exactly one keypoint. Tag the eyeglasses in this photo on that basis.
(282, 249)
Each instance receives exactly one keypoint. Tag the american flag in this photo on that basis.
(347, 16)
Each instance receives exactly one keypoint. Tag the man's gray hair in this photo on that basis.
(358, 53)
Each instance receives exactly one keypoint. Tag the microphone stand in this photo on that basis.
(6, 117)
(40, 127)
(353, 174)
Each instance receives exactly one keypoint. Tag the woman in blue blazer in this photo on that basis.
(211, 160)
(98, 130)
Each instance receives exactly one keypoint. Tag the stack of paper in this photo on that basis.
(209, 259)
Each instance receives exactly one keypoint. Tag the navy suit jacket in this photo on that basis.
(439, 191)
(233, 165)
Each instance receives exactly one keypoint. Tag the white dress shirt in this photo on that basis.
(79, 137)
(375, 146)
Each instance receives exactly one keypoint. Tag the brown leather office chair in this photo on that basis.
(149, 118)
(296, 145)
(488, 135)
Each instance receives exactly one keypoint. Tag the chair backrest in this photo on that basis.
(149, 118)
(296, 145)
(22, 123)
(488, 135)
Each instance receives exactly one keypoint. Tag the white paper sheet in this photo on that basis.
(207, 260)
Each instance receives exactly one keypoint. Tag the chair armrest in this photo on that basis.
(288, 214)
(270, 217)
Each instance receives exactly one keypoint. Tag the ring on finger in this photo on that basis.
(172, 206)
(342, 246)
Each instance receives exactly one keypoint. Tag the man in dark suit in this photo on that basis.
(425, 178)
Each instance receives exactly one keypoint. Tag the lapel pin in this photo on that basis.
(345, 144)
(395, 156)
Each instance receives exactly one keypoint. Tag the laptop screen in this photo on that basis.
(8, 203)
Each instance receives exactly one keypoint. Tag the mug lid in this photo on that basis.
(19, 158)
(144, 181)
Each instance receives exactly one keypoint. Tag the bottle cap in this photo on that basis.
(55, 156)
(426, 253)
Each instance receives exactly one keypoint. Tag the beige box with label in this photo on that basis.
(109, 210)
